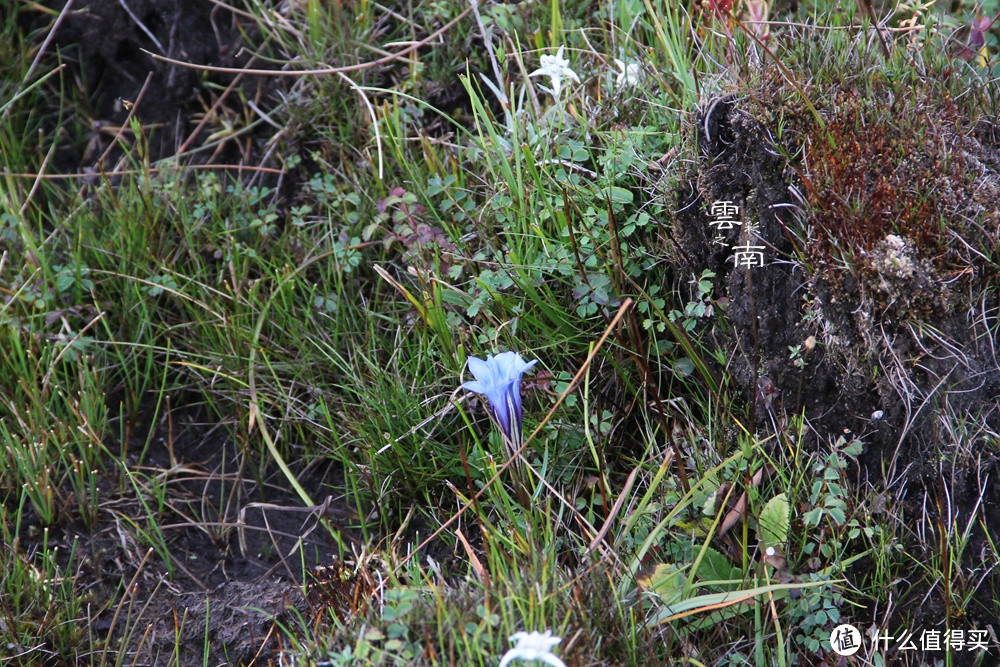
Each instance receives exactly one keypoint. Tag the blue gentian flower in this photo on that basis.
(499, 380)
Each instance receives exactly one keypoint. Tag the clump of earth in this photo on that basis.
(880, 327)
(108, 47)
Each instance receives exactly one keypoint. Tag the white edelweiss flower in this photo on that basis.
(556, 68)
(533, 646)
(630, 73)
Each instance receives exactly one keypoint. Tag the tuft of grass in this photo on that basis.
(44, 604)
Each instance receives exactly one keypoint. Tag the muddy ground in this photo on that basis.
(107, 46)
(239, 550)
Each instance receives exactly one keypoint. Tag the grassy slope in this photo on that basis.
(334, 328)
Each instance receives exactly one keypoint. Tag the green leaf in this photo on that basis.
(684, 366)
(854, 448)
(838, 516)
(666, 580)
(713, 601)
(64, 281)
(717, 568)
(620, 195)
(773, 522)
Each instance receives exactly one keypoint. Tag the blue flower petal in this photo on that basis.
(499, 379)
(482, 371)
(506, 364)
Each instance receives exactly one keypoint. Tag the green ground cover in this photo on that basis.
(236, 328)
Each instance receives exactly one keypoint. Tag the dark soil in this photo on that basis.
(106, 46)
(237, 550)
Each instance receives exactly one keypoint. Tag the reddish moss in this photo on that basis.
(885, 174)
